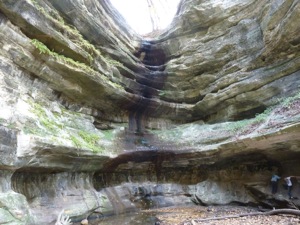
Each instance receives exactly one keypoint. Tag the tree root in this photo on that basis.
(272, 212)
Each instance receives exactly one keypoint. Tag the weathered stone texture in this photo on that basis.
(232, 47)
(220, 112)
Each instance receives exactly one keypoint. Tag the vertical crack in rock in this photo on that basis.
(151, 78)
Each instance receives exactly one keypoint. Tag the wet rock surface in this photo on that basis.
(194, 214)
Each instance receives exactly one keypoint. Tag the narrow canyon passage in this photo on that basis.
(98, 121)
(151, 78)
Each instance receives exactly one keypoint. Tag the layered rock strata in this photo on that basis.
(215, 108)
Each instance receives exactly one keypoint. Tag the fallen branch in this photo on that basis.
(272, 212)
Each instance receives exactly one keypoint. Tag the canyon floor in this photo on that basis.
(192, 215)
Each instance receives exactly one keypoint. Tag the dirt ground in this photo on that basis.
(192, 216)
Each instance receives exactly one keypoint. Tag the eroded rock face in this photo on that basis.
(230, 69)
(94, 122)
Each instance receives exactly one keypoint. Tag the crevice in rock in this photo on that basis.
(33, 33)
(250, 113)
(152, 78)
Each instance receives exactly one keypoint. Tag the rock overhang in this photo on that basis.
(220, 61)
(223, 71)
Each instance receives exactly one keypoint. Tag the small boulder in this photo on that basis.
(84, 222)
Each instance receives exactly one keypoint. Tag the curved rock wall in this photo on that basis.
(72, 74)
(240, 53)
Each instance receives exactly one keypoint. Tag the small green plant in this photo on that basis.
(74, 35)
(69, 30)
(75, 141)
(86, 140)
(114, 62)
(30, 129)
(108, 135)
(162, 93)
(89, 137)
(45, 50)
(262, 116)
(12, 126)
(41, 47)
(238, 125)
(286, 102)
(50, 125)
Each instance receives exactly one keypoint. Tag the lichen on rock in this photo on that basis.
(97, 119)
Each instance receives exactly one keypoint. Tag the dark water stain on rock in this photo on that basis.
(151, 78)
(154, 158)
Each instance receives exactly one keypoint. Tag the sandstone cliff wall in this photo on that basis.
(222, 114)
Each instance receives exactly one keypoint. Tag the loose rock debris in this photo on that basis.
(225, 215)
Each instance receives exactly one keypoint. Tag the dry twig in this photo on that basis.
(272, 212)
(63, 220)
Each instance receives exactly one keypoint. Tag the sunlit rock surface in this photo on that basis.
(97, 119)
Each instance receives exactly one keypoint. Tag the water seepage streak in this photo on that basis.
(151, 79)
